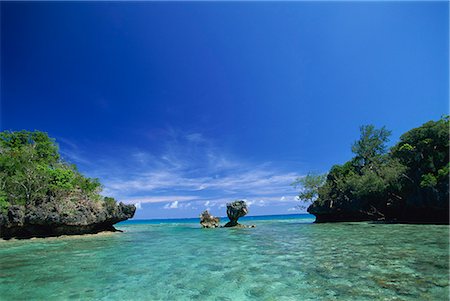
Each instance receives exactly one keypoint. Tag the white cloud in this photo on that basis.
(178, 205)
(185, 170)
(160, 199)
(292, 209)
(202, 187)
(173, 205)
(138, 205)
(255, 182)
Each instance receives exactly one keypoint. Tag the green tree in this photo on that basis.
(44, 147)
(425, 153)
(309, 185)
(31, 170)
(371, 144)
(23, 174)
(413, 174)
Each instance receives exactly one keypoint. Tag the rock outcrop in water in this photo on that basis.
(62, 218)
(209, 221)
(43, 195)
(235, 210)
(407, 184)
(347, 212)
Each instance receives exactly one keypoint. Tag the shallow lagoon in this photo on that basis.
(283, 258)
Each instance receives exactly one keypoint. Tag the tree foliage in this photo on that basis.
(32, 171)
(416, 168)
(371, 145)
(425, 152)
(310, 185)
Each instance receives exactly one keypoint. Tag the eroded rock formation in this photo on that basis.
(62, 218)
(209, 221)
(235, 210)
(343, 212)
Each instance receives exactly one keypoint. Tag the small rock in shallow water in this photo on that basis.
(209, 221)
(235, 210)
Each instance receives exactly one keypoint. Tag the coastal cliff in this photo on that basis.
(55, 218)
(342, 212)
(409, 183)
(43, 195)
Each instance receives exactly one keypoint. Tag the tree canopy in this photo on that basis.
(412, 173)
(310, 185)
(371, 144)
(32, 171)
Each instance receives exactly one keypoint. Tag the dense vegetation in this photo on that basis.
(32, 172)
(409, 182)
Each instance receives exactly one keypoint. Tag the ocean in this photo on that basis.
(283, 258)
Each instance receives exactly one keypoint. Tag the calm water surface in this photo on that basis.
(281, 259)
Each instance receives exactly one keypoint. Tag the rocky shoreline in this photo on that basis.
(56, 219)
(406, 183)
(327, 213)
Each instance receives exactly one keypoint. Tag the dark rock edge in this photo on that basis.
(40, 221)
(410, 215)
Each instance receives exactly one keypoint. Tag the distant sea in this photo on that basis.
(283, 258)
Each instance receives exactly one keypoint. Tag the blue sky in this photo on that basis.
(179, 107)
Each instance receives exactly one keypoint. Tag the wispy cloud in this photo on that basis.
(160, 199)
(70, 150)
(189, 168)
(254, 182)
(195, 137)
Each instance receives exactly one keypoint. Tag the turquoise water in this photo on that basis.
(283, 258)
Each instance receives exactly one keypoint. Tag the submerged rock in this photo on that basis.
(235, 210)
(54, 218)
(209, 221)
